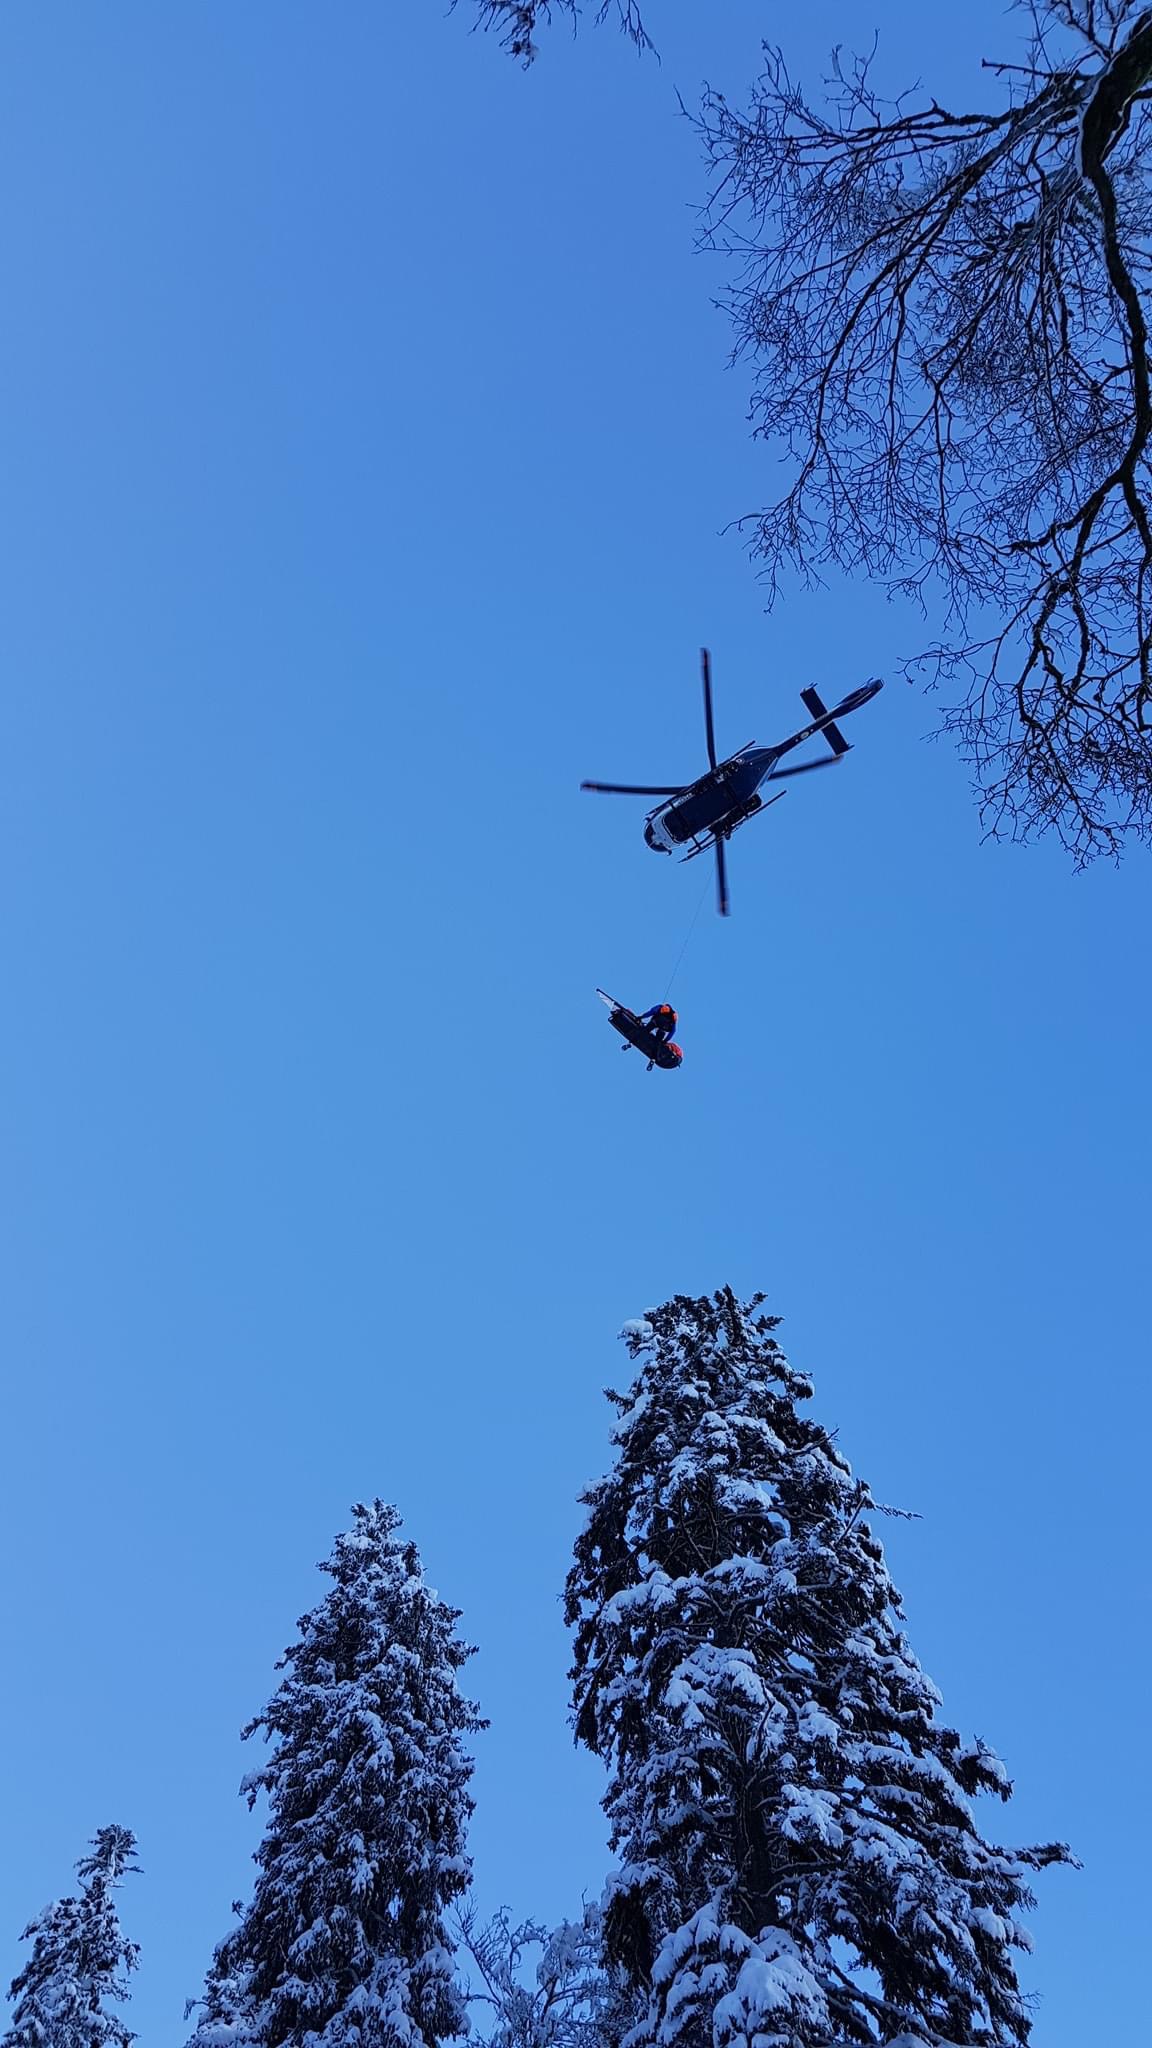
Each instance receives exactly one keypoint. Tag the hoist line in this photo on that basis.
(691, 929)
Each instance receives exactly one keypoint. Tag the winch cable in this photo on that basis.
(688, 935)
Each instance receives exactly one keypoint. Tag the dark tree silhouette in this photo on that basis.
(948, 315)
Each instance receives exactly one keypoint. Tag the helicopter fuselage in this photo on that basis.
(716, 803)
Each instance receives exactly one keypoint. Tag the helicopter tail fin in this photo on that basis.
(831, 732)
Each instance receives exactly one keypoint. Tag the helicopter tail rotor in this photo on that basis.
(828, 726)
(831, 732)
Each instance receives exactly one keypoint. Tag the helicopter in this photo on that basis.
(706, 812)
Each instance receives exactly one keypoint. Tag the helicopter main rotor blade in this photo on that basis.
(634, 789)
(706, 674)
(802, 767)
(721, 880)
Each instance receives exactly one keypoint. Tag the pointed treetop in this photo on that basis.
(80, 1960)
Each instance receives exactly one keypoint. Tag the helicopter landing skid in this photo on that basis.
(748, 810)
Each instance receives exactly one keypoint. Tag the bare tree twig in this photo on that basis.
(516, 21)
(948, 317)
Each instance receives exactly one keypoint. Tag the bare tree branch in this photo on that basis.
(948, 315)
(516, 21)
(568, 2001)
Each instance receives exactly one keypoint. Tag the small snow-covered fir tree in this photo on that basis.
(344, 1944)
(80, 1960)
(799, 1860)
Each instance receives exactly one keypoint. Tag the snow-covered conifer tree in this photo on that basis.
(799, 1861)
(344, 1944)
(80, 1960)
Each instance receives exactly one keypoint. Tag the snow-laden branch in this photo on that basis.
(799, 1859)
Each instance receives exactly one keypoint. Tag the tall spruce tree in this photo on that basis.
(344, 1943)
(799, 1861)
(80, 1960)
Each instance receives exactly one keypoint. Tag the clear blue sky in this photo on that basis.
(367, 444)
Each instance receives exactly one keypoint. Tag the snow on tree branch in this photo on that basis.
(80, 1960)
(948, 317)
(799, 1863)
(345, 1943)
(570, 2001)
